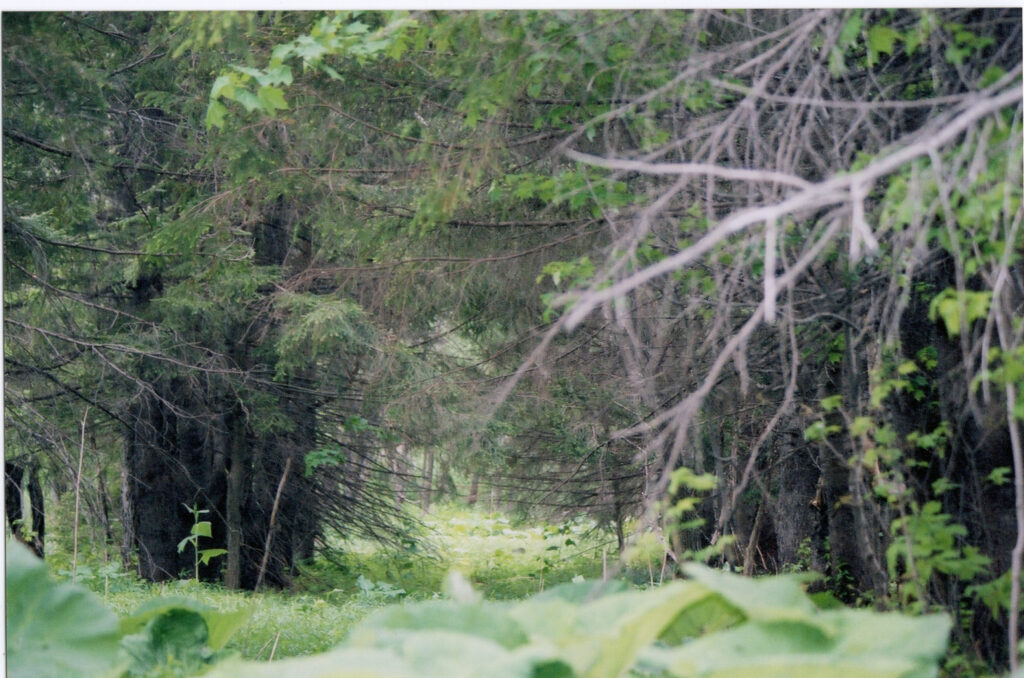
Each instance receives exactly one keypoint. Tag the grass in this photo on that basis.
(503, 560)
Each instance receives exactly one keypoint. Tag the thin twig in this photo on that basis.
(270, 528)
(78, 498)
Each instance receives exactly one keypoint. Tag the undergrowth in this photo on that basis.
(503, 560)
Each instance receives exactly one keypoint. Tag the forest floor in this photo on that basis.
(502, 558)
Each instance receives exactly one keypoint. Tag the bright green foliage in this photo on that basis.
(951, 305)
(926, 543)
(749, 627)
(713, 624)
(54, 629)
(342, 34)
(200, 528)
(847, 643)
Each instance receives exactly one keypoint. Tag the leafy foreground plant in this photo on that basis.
(54, 629)
(713, 624)
(59, 629)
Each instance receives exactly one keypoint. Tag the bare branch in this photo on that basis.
(836, 190)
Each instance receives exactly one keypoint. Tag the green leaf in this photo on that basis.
(272, 99)
(851, 29)
(340, 663)
(847, 643)
(205, 555)
(907, 367)
(486, 620)
(778, 598)
(709, 613)
(947, 305)
(356, 28)
(461, 655)
(223, 86)
(831, 402)
(999, 475)
(309, 49)
(582, 591)
(602, 638)
(685, 477)
(774, 650)
(257, 75)
(279, 75)
(335, 75)
(54, 629)
(881, 39)
(202, 529)
(248, 99)
(215, 115)
(836, 62)
(176, 638)
(220, 625)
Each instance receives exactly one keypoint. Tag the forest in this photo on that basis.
(708, 323)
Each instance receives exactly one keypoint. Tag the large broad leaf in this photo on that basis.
(485, 620)
(603, 638)
(449, 654)
(582, 591)
(176, 636)
(922, 640)
(710, 613)
(54, 629)
(857, 644)
(411, 654)
(340, 663)
(172, 643)
(776, 598)
(220, 625)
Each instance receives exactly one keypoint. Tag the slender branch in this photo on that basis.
(830, 192)
(273, 519)
(78, 498)
(835, 103)
(683, 168)
(141, 60)
(43, 146)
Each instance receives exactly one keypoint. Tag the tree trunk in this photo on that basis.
(428, 479)
(13, 477)
(794, 513)
(127, 511)
(234, 500)
(35, 499)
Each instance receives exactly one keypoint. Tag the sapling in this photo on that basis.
(200, 528)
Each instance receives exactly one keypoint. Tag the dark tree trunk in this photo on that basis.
(155, 492)
(35, 498)
(13, 474)
(18, 475)
(197, 442)
(794, 514)
(170, 462)
(234, 500)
